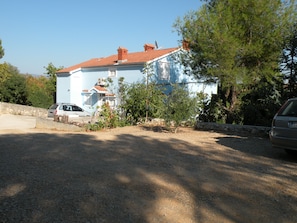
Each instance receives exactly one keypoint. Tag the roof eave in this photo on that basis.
(164, 55)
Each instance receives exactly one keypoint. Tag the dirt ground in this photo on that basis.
(134, 174)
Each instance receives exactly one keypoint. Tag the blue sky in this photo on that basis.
(35, 33)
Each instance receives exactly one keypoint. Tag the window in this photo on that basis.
(290, 109)
(67, 108)
(163, 70)
(112, 73)
(76, 108)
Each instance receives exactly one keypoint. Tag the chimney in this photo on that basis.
(122, 54)
(148, 47)
(186, 45)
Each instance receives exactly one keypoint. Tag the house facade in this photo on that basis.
(92, 83)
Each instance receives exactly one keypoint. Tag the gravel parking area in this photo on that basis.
(136, 175)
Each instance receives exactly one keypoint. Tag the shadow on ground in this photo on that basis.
(129, 178)
(263, 147)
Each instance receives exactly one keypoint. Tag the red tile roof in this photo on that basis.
(99, 88)
(132, 58)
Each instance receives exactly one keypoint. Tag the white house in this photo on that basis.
(85, 84)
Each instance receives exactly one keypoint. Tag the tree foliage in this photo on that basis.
(146, 99)
(179, 106)
(38, 94)
(237, 41)
(6, 70)
(140, 101)
(13, 86)
(24, 89)
(1, 49)
(260, 104)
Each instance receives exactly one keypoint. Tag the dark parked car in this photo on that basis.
(61, 109)
(283, 133)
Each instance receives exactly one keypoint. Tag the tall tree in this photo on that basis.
(1, 49)
(289, 63)
(237, 41)
(13, 87)
(51, 71)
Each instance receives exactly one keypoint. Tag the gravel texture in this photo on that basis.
(134, 174)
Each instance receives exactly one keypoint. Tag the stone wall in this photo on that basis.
(15, 109)
(262, 131)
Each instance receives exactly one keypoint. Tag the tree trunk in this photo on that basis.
(232, 99)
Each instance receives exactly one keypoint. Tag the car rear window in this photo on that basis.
(289, 109)
(54, 106)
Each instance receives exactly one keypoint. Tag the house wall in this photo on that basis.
(63, 88)
(168, 71)
(76, 88)
(91, 75)
(131, 74)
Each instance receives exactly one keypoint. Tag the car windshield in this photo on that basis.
(290, 109)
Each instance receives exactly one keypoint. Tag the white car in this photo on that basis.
(68, 109)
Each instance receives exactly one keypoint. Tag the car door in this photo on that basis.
(78, 111)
